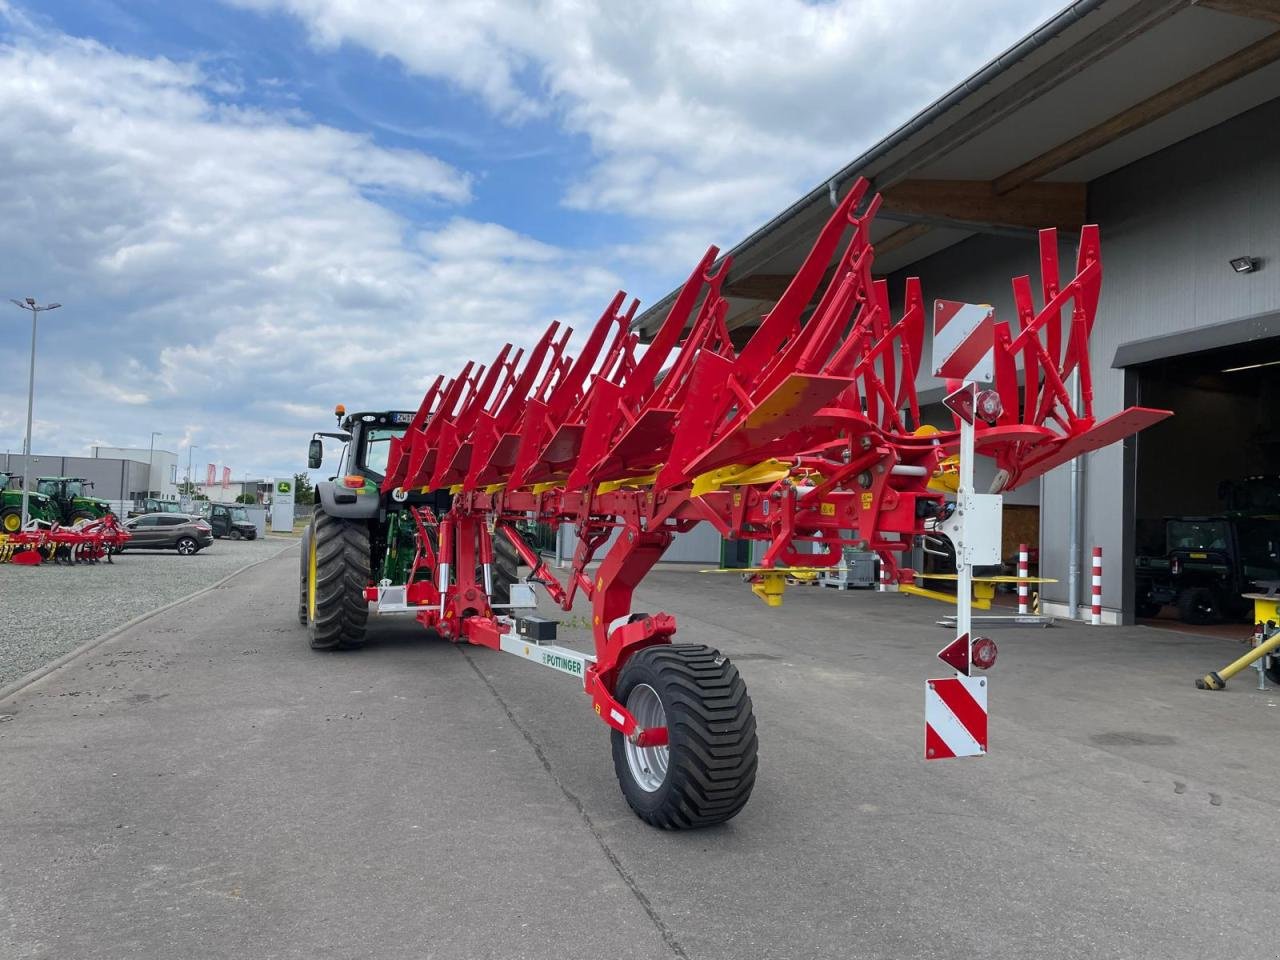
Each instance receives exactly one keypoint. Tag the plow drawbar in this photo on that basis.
(807, 439)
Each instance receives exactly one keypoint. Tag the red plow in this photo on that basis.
(808, 439)
(87, 542)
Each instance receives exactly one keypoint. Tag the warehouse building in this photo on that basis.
(1159, 120)
(118, 474)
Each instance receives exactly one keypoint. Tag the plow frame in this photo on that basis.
(809, 440)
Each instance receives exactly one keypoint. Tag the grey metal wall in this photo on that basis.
(1169, 224)
(112, 479)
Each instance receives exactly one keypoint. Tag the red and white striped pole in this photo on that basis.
(884, 577)
(1095, 616)
(1023, 560)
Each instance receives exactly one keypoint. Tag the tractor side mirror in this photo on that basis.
(315, 453)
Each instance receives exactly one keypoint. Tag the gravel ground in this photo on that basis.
(48, 610)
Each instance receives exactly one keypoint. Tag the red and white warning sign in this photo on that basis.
(955, 717)
(964, 341)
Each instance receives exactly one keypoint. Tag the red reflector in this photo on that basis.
(984, 653)
(353, 481)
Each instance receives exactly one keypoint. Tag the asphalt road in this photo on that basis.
(205, 786)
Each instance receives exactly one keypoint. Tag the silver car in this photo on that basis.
(169, 531)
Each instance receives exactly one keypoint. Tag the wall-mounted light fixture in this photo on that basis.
(1244, 264)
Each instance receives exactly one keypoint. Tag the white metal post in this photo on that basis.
(26, 447)
(35, 308)
(964, 569)
(1024, 560)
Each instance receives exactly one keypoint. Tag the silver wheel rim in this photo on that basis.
(184, 548)
(648, 764)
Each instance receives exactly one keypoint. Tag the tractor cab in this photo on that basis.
(70, 495)
(367, 442)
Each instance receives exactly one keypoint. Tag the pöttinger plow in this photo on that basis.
(809, 439)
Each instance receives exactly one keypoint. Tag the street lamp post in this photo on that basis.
(151, 460)
(35, 308)
(191, 490)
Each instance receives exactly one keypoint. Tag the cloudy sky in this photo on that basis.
(253, 209)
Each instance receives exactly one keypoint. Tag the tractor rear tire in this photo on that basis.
(1198, 606)
(302, 577)
(506, 569)
(338, 613)
(705, 773)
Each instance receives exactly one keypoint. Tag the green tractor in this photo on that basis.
(359, 536)
(39, 507)
(71, 500)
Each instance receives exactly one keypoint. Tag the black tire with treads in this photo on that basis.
(1199, 606)
(711, 758)
(302, 577)
(342, 573)
(506, 569)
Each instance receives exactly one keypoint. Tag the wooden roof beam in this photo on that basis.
(1256, 9)
(1239, 64)
(1031, 205)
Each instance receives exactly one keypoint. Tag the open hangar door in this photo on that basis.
(1207, 497)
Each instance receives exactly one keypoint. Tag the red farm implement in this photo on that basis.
(88, 541)
(808, 439)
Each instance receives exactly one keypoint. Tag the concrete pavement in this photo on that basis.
(205, 786)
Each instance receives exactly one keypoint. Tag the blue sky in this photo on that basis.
(253, 209)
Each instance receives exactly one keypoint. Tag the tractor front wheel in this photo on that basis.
(336, 564)
(705, 773)
(11, 519)
(79, 515)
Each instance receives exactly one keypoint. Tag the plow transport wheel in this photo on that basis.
(336, 564)
(705, 773)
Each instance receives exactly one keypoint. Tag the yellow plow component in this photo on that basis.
(770, 583)
(739, 475)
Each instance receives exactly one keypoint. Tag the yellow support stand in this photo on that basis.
(769, 587)
(1266, 610)
(982, 594)
(984, 588)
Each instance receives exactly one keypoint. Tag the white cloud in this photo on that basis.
(709, 114)
(228, 273)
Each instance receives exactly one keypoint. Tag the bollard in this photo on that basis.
(1023, 561)
(884, 577)
(1095, 616)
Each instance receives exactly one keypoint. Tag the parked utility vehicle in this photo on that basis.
(1209, 563)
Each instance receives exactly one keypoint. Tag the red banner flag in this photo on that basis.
(226, 477)
(210, 474)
